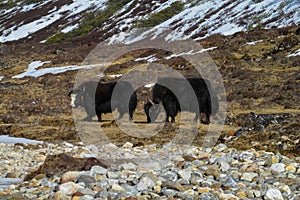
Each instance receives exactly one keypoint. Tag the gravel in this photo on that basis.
(182, 172)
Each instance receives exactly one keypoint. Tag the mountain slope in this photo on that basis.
(66, 19)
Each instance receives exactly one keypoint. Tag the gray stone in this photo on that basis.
(87, 197)
(245, 156)
(220, 147)
(87, 179)
(87, 191)
(102, 194)
(117, 187)
(141, 186)
(206, 196)
(148, 182)
(230, 182)
(196, 178)
(68, 188)
(151, 176)
(224, 166)
(114, 175)
(172, 185)
(185, 175)
(257, 193)
(169, 176)
(169, 192)
(128, 166)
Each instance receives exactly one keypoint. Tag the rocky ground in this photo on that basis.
(67, 171)
(262, 87)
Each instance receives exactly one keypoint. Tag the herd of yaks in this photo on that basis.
(174, 94)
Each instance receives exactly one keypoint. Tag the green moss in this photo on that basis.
(256, 22)
(27, 2)
(161, 16)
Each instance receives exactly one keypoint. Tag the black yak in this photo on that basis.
(206, 99)
(96, 98)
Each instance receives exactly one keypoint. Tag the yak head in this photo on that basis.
(77, 98)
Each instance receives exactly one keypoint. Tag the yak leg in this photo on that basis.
(130, 115)
(121, 115)
(172, 119)
(167, 118)
(197, 116)
(207, 121)
(98, 113)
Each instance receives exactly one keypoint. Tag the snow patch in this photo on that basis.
(296, 53)
(110, 75)
(150, 59)
(1, 78)
(69, 28)
(254, 42)
(5, 182)
(12, 140)
(190, 53)
(34, 72)
(149, 85)
(19, 31)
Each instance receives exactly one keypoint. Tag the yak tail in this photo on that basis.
(214, 104)
(214, 101)
(133, 102)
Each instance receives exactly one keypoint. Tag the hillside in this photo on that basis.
(254, 44)
(61, 20)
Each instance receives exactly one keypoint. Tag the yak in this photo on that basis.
(206, 98)
(96, 98)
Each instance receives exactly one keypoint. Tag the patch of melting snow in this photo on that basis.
(24, 30)
(149, 85)
(34, 72)
(110, 75)
(5, 182)
(1, 77)
(254, 42)
(150, 58)
(296, 53)
(190, 53)
(12, 140)
(69, 28)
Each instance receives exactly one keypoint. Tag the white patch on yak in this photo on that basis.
(73, 98)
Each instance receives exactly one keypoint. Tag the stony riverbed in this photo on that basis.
(148, 172)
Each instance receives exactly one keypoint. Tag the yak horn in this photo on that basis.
(151, 101)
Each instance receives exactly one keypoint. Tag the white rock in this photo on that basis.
(285, 188)
(147, 182)
(273, 194)
(224, 166)
(68, 188)
(185, 175)
(127, 145)
(128, 166)
(98, 170)
(228, 197)
(277, 168)
(117, 187)
(248, 176)
(141, 186)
